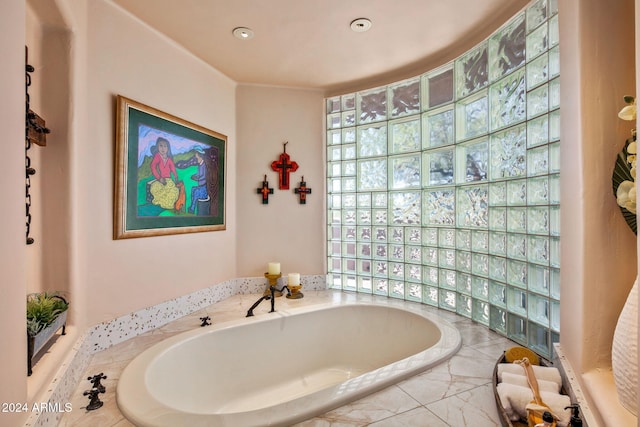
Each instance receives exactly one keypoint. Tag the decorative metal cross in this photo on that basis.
(265, 191)
(284, 166)
(303, 190)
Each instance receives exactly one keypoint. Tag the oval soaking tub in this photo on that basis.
(281, 368)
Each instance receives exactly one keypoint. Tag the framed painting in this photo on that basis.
(169, 174)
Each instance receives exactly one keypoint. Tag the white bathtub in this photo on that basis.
(280, 368)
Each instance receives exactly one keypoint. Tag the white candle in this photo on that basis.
(274, 268)
(294, 279)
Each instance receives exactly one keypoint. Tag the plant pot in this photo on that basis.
(39, 341)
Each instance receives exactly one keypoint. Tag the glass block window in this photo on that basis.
(444, 188)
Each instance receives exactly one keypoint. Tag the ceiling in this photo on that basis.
(309, 43)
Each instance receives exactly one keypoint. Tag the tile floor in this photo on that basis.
(456, 393)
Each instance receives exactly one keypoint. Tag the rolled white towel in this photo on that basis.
(521, 380)
(514, 399)
(547, 373)
(505, 401)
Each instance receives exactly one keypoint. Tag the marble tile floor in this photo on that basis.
(455, 393)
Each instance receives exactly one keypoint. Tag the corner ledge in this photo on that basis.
(600, 385)
(599, 399)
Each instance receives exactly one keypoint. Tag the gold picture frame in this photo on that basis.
(170, 174)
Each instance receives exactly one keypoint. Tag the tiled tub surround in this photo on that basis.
(107, 334)
(455, 393)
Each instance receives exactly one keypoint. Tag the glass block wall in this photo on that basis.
(444, 188)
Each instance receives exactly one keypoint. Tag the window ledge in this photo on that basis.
(598, 397)
(46, 364)
(600, 385)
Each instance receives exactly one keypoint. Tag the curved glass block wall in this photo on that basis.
(444, 188)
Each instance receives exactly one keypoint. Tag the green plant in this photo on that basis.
(42, 309)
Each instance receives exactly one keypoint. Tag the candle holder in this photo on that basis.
(273, 281)
(295, 292)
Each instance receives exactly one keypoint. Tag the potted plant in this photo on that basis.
(46, 313)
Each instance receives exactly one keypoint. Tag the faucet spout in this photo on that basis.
(271, 297)
(257, 303)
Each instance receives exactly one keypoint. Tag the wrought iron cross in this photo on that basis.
(303, 190)
(284, 166)
(265, 191)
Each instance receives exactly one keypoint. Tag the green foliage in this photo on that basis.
(42, 310)
(33, 327)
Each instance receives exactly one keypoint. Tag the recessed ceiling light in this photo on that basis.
(243, 33)
(360, 25)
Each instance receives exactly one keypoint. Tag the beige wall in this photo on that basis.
(124, 57)
(598, 250)
(282, 230)
(12, 244)
(34, 252)
(599, 261)
(92, 52)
